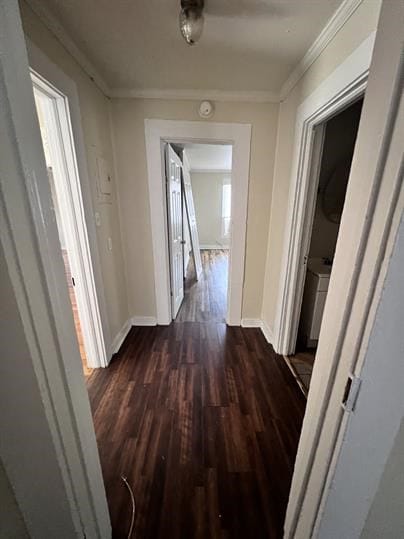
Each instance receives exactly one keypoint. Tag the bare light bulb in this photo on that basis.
(191, 25)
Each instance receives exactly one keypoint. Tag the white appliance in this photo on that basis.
(315, 294)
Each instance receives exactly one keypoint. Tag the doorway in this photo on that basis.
(57, 141)
(199, 229)
(157, 133)
(330, 168)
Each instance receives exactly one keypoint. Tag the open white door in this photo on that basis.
(53, 111)
(190, 210)
(174, 214)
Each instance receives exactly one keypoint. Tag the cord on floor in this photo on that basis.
(132, 497)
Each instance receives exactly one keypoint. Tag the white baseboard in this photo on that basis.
(123, 332)
(120, 337)
(251, 323)
(213, 246)
(257, 323)
(144, 321)
(267, 331)
(152, 321)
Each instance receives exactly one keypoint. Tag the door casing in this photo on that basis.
(30, 244)
(157, 134)
(341, 89)
(80, 208)
(369, 222)
(70, 203)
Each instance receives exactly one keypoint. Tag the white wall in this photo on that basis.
(367, 233)
(128, 117)
(269, 177)
(361, 23)
(370, 463)
(386, 515)
(94, 107)
(207, 192)
(26, 437)
(12, 525)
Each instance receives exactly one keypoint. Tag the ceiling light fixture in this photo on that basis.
(191, 20)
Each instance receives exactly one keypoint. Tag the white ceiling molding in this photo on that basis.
(197, 95)
(63, 37)
(337, 21)
(209, 171)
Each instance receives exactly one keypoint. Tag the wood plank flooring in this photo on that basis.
(204, 421)
(302, 364)
(206, 300)
(87, 371)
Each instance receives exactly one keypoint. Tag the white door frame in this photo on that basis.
(157, 132)
(345, 85)
(31, 247)
(76, 208)
(369, 224)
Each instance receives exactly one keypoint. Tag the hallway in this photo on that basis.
(203, 419)
(206, 300)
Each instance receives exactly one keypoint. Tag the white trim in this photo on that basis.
(342, 87)
(336, 22)
(213, 246)
(57, 29)
(333, 26)
(120, 337)
(239, 135)
(267, 331)
(144, 321)
(295, 375)
(34, 262)
(82, 238)
(67, 187)
(197, 95)
(251, 323)
(210, 171)
(369, 222)
(346, 508)
(185, 160)
(258, 323)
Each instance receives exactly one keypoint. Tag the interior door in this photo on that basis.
(190, 211)
(174, 210)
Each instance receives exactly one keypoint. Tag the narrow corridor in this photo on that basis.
(203, 419)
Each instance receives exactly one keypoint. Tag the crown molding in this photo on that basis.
(333, 26)
(197, 95)
(336, 22)
(54, 26)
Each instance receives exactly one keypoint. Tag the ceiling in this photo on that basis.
(205, 157)
(247, 45)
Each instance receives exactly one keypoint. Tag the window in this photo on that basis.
(226, 209)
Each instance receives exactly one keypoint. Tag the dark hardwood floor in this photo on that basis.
(206, 300)
(204, 421)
